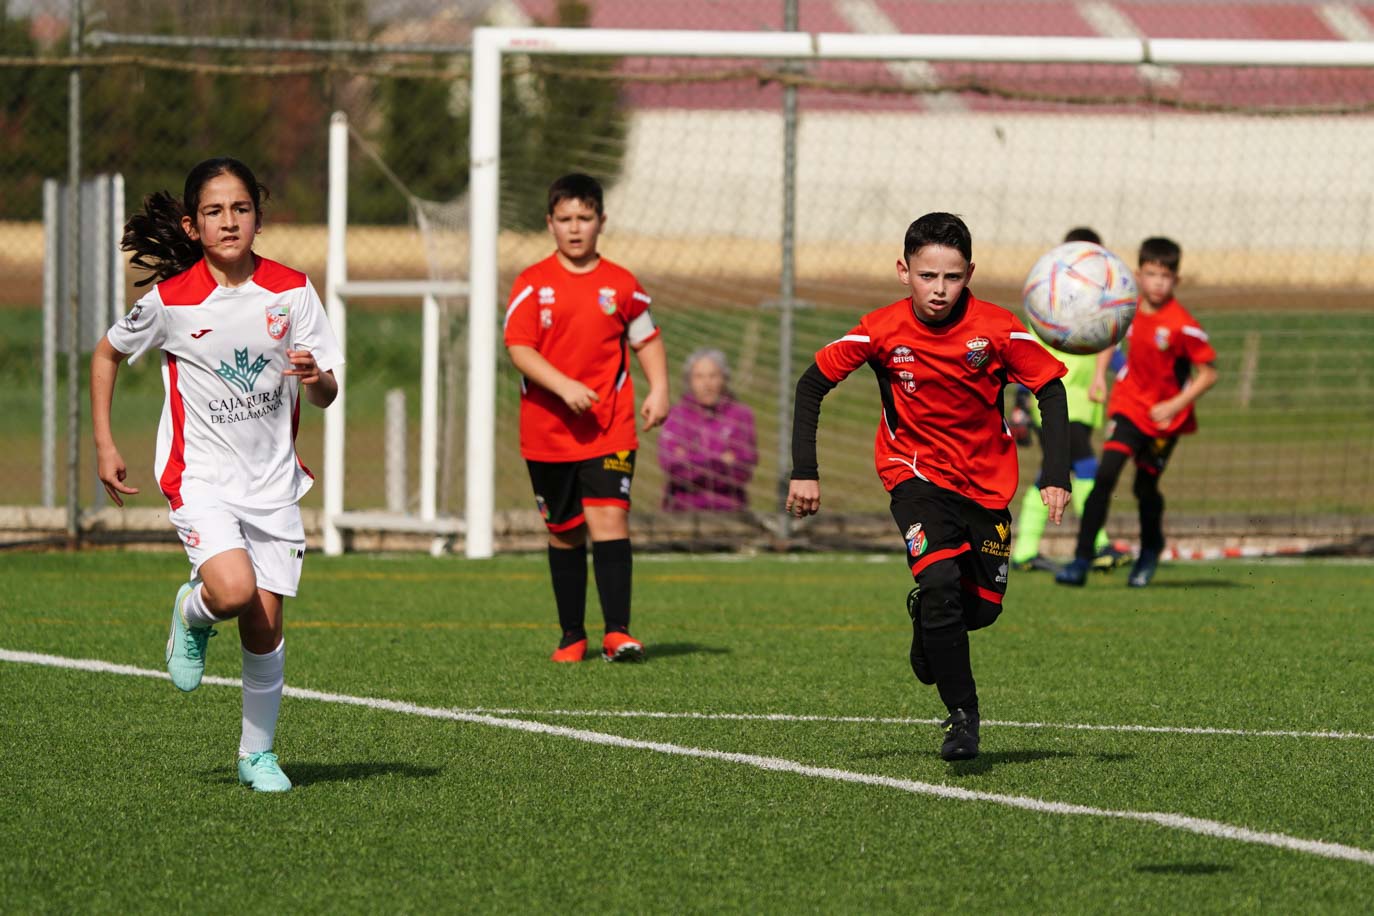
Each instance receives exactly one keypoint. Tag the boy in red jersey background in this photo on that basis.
(571, 322)
(1169, 365)
(943, 449)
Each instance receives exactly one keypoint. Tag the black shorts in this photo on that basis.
(939, 524)
(562, 488)
(1151, 454)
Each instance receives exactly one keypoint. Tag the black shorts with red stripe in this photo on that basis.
(1151, 454)
(939, 524)
(562, 488)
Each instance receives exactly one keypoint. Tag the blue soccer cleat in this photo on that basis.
(186, 646)
(1076, 573)
(1144, 569)
(261, 771)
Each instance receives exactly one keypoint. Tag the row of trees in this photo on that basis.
(151, 123)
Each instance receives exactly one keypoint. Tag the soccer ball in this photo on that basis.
(1080, 298)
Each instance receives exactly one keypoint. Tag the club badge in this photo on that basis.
(278, 320)
(915, 540)
(605, 297)
(977, 353)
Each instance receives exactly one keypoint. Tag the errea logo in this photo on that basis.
(902, 354)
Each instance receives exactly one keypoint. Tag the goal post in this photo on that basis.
(1035, 223)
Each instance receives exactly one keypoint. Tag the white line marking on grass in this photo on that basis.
(1182, 822)
(883, 720)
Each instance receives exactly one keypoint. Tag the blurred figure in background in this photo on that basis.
(707, 447)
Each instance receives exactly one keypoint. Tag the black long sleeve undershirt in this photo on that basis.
(813, 386)
(806, 416)
(1054, 434)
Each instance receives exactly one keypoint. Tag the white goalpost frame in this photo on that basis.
(338, 291)
(489, 44)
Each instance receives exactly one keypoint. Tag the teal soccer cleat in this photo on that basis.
(261, 771)
(186, 647)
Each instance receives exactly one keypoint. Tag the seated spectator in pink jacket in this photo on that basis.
(707, 447)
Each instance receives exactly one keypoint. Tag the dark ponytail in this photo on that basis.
(156, 236)
(157, 240)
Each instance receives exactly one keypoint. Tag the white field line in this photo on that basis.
(1182, 822)
(886, 720)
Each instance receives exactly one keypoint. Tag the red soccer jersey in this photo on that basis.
(1161, 349)
(941, 390)
(579, 323)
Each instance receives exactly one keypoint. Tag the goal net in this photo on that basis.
(765, 250)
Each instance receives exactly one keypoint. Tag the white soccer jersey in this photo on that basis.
(229, 418)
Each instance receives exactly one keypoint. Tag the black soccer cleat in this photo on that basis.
(920, 665)
(961, 736)
(1075, 573)
(1037, 563)
(1144, 569)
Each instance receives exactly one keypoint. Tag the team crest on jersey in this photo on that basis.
(546, 318)
(546, 295)
(278, 320)
(131, 319)
(977, 351)
(191, 536)
(915, 540)
(908, 381)
(902, 355)
(542, 506)
(1162, 338)
(605, 297)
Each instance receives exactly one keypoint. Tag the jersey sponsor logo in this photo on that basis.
(546, 318)
(1002, 574)
(546, 295)
(916, 540)
(131, 319)
(197, 335)
(996, 548)
(902, 355)
(977, 351)
(605, 298)
(618, 463)
(908, 381)
(249, 407)
(1003, 529)
(295, 553)
(243, 373)
(1162, 338)
(278, 320)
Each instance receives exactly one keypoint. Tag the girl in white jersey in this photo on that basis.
(241, 339)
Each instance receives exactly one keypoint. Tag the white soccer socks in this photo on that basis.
(262, 687)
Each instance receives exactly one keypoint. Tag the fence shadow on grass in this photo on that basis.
(304, 774)
(668, 649)
(1184, 868)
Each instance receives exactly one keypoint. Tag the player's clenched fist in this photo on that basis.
(803, 498)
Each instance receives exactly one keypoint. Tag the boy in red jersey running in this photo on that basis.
(571, 322)
(943, 450)
(1169, 365)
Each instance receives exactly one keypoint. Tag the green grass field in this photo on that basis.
(788, 789)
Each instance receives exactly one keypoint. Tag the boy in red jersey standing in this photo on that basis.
(570, 324)
(1169, 365)
(943, 450)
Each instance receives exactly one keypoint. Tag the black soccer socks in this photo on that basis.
(612, 562)
(568, 569)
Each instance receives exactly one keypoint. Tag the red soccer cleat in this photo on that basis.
(573, 653)
(621, 647)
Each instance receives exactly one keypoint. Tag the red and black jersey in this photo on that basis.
(583, 325)
(1161, 349)
(941, 389)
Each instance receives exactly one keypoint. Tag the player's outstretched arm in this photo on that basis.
(109, 463)
(533, 366)
(1054, 436)
(653, 359)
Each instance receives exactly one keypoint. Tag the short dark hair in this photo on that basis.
(1162, 251)
(938, 229)
(576, 186)
(1082, 234)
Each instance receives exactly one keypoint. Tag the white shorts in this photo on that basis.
(274, 539)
